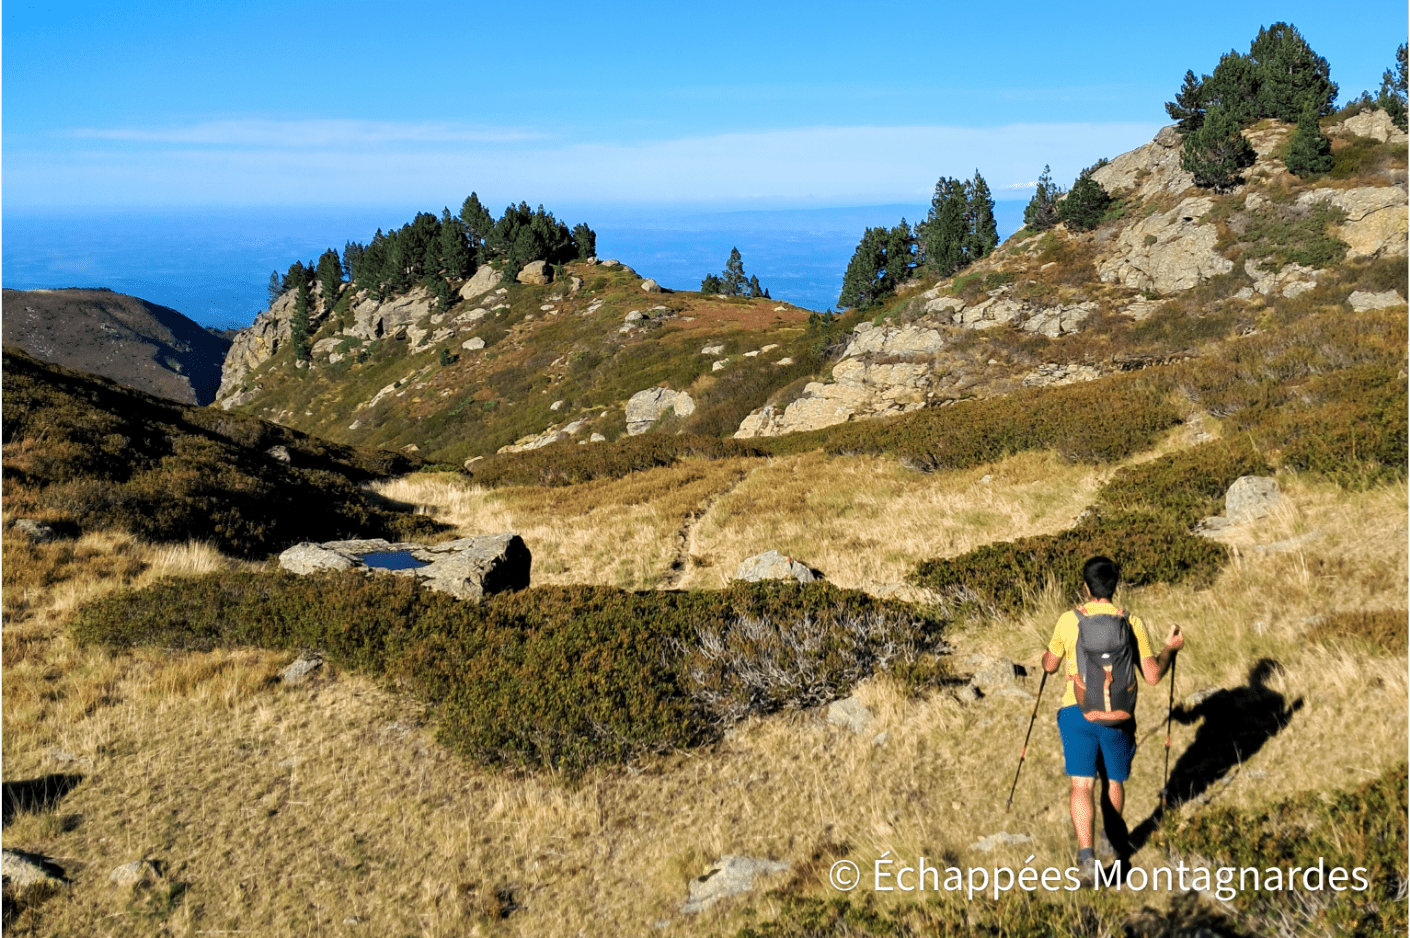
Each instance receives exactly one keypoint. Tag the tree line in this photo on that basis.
(733, 282)
(435, 253)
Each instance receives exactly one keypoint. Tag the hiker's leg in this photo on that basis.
(1083, 811)
(1116, 794)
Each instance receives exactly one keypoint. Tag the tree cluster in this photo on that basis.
(959, 230)
(733, 281)
(1280, 77)
(1392, 95)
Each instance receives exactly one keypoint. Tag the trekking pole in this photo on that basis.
(1170, 717)
(1024, 753)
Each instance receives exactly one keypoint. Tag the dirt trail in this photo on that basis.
(685, 536)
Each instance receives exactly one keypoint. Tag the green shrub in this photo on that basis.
(1184, 486)
(82, 450)
(1365, 827)
(550, 676)
(1286, 234)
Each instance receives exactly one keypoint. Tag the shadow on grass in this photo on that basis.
(36, 794)
(1236, 724)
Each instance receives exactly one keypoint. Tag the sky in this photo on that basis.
(721, 105)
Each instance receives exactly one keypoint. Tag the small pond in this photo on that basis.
(393, 560)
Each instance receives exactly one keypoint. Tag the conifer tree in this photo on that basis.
(946, 227)
(457, 262)
(1290, 76)
(1216, 152)
(298, 326)
(586, 240)
(276, 287)
(712, 284)
(330, 275)
(1042, 210)
(479, 226)
(756, 292)
(899, 256)
(1310, 152)
(861, 281)
(982, 235)
(1085, 205)
(352, 256)
(1393, 90)
(1188, 107)
(734, 274)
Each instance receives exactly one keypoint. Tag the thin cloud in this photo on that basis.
(1021, 185)
(309, 134)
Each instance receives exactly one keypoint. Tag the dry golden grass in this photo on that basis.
(286, 810)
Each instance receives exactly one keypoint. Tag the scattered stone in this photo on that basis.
(1362, 300)
(787, 360)
(645, 407)
(536, 273)
(770, 347)
(991, 674)
(1376, 220)
(1251, 497)
(36, 531)
(1002, 838)
(555, 405)
(728, 876)
(575, 284)
(751, 354)
(880, 738)
(772, 565)
(473, 344)
(610, 263)
(302, 666)
(712, 350)
(1200, 696)
(650, 286)
(130, 874)
(597, 438)
(485, 280)
(354, 920)
(851, 713)
(717, 366)
(23, 871)
(635, 315)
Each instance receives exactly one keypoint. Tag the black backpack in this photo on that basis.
(1106, 667)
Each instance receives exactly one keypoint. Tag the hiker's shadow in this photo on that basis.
(1236, 724)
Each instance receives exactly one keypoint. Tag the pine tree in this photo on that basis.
(1234, 89)
(734, 274)
(330, 275)
(352, 256)
(756, 292)
(479, 226)
(586, 240)
(712, 284)
(1310, 152)
(1393, 90)
(457, 262)
(899, 256)
(1216, 152)
(1290, 75)
(1042, 210)
(946, 227)
(276, 287)
(860, 282)
(298, 326)
(983, 234)
(1188, 107)
(1085, 205)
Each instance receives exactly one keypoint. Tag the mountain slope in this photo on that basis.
(139, 344)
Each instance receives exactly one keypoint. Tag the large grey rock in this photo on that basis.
(300, 668)
(23, 871)
(728, 876)
(373, 320)
(851, 713)
(466, 568)
(1375, 123)
(1251, 497)
(650, 286)
(1376, 218)
(485, 280)
(551, 435)
(1363, 300)
(772, 565)
(1167, 252)
(645, 407)
(536, 273)
(1154, 167)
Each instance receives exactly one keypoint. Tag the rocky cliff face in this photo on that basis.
(1169, 238)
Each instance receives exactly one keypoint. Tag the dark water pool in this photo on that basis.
(393, 560)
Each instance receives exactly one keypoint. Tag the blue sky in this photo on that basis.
(722, 104)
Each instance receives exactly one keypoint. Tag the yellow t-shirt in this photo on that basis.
(1064, 641)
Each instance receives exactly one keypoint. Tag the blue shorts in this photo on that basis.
(1086, 745)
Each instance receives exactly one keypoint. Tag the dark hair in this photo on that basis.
(1101, 574)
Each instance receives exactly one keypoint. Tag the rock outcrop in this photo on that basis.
(1154, 167)
(485, 280)
(771, 565)
(466, 568)
(728, 876)
(1167, 252)
(1363, 300)
(536, 273)
(1375, 224)
(646, 407)
(1375, 124)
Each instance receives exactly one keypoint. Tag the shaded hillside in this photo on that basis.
(136, 343)
(84, 454)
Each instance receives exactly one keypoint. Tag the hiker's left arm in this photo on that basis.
(1153, 669)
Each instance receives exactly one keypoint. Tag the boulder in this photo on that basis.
(23, 871)
(1155, 167)
(772, 565)
(37, 532)
(1376, 218)
(645, 407)
(1375, 123)
(300, 668)
(728, 876)
(466, 568)
(485, 280)
(851, 713)
(1362, 300)
(473, 344)
(1251, 497)
(131, 874)
(1167, 252)
(536, 273)
(650, 286)
(279, 453)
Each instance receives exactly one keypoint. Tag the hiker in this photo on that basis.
(1097, 719)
